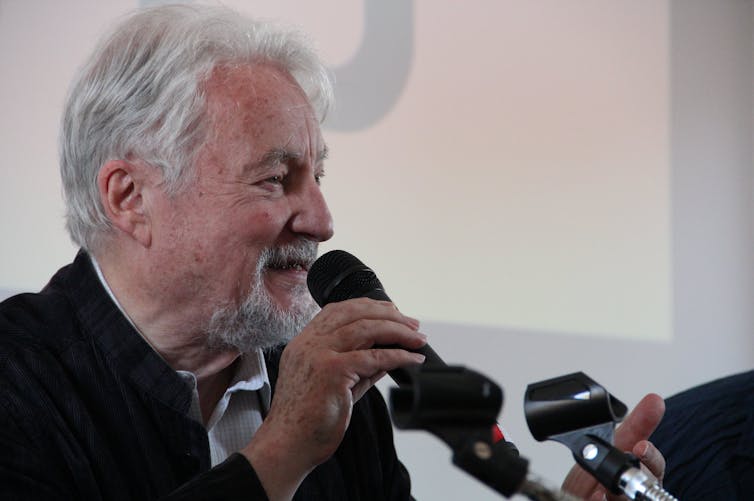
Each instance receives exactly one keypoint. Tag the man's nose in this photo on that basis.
(312, 218)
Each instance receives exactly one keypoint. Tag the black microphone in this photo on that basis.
(337, 276)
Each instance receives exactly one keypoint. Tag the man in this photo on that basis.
(152, 366)
(708, 437)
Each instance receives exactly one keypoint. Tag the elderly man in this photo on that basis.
(152, 366)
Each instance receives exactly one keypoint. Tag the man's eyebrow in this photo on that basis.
(281, 156)
(276, 156)
(270, 159)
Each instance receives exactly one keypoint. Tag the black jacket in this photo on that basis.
(707, 437)
(89, 411)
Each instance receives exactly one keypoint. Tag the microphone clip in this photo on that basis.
(577, 412)
(460, 407)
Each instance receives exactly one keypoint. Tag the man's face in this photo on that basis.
(242, 236)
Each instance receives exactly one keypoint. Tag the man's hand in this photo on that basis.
(323, 372)
(630, 436)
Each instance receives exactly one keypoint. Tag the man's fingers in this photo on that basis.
(631, 436)
(365, 333)
(652, 461)
(368, 366)
(345, 312)
(368, 363)
(650, 457)
(363, 385)
(362, 323)
(640, 423)
(599, 495)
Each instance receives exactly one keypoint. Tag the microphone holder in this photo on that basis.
(580, 414)
(460, 407)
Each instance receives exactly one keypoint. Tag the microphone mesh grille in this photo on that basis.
(357, 284)
(337, 276)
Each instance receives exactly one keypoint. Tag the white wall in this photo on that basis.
(713, 242)
(709, 209)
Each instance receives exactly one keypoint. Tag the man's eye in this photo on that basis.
(275, 179)
(318, 177)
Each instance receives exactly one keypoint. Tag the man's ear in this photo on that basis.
(121, 185)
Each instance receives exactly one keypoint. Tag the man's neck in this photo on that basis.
(181, 345)
(212, 388)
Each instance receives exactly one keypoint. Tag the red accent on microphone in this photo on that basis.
(497, 433)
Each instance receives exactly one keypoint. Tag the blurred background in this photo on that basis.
(549, 186)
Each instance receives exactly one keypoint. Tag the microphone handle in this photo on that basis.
(400, 376)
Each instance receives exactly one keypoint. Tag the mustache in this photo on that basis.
(300, 254)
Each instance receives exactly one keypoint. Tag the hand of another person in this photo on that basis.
(323, 372)
(630, 436)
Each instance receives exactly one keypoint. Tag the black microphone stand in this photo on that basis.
(460, 407)
(580, 414)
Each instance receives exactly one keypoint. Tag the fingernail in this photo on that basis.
(644, 451)
(418, 357)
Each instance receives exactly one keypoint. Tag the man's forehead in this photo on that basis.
(256, 93)
(260, 81)
(263, 112)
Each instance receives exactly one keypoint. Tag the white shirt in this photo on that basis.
(239, 413)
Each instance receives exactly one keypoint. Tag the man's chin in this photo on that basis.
(262, 324)
(294, 300)
(284, 286)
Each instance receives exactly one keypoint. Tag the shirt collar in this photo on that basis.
(110, 293)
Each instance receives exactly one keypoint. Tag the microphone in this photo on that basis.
(337, 276)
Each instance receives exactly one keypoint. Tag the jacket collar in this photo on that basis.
(116, 338)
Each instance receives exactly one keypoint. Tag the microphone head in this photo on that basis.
(338, 275)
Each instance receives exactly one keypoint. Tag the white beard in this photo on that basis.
(259, 323)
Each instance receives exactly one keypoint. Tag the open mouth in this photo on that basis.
(289, 266)
(293, 265)
(290, 258)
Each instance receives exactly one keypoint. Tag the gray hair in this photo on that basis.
(140, 95)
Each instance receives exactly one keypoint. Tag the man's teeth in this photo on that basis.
(289, 266)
